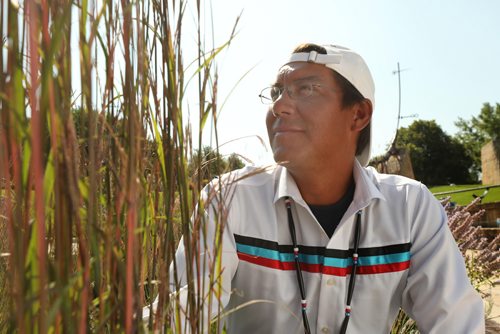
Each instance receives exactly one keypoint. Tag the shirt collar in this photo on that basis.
(366, 186)
(366, 189)
(286, 186)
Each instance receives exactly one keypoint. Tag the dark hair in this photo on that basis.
(350, 95)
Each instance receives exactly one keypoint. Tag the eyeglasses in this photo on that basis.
(296, 90)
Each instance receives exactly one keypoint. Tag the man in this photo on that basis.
(320, 244)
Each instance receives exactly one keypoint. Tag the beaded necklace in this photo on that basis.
(298, 271)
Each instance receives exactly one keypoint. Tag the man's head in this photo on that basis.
(351, 79)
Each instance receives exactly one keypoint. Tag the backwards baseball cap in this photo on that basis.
(353, 68)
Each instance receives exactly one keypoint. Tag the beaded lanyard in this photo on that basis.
(300, 279)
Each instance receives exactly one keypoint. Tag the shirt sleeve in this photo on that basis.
(213, 262)
(438, 294)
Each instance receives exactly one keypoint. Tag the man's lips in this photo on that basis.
(286, 129)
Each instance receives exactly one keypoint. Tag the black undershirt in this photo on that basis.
(329, 216)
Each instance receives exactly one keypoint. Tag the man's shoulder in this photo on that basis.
(392, 181)
(400, 188)
(246, 177)
(250, 175)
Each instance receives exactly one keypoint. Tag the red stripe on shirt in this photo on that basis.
(383, 268)
(262, 261)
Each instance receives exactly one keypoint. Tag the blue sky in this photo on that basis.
(449, 50)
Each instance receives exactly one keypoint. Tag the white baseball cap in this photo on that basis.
(353, 68)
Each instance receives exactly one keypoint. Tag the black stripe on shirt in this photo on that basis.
(323, 251)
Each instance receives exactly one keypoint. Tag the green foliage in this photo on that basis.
(436, 157)
(478, 130)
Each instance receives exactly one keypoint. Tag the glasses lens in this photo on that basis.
(275, 93)
(266, 96)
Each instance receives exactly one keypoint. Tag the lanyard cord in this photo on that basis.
(298, 271)
(350, 291)
(300, 279)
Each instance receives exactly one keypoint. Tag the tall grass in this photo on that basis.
(94, 150)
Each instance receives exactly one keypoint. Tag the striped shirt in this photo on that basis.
(407, 258)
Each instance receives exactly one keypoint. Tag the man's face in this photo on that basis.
(313, 131)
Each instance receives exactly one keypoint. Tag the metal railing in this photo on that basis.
(465, 190)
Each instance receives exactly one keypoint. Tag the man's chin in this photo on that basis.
(282, 159)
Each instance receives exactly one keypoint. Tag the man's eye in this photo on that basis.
(275, 93)
(304, 90)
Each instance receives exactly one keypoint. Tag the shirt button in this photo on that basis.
(330, 282)
(325, 330)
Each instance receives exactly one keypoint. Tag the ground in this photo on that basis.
(492, 303)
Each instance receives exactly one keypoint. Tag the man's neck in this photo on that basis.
(323, 186)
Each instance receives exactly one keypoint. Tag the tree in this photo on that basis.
(234, 162)
(437, 158)
(477, 131)
(212, 163)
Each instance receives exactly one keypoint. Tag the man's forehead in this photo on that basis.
(301, 70)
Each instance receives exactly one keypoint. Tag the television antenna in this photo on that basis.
(398, 72)
(382, 163)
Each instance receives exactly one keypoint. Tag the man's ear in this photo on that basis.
(362, 114)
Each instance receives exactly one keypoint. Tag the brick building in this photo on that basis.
(490, 162)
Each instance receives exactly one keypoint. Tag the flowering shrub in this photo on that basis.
(482, 257)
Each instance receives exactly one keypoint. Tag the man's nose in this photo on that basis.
(283, 104)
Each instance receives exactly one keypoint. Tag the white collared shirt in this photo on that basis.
(407, 258)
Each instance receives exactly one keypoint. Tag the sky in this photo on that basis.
(448, 50)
